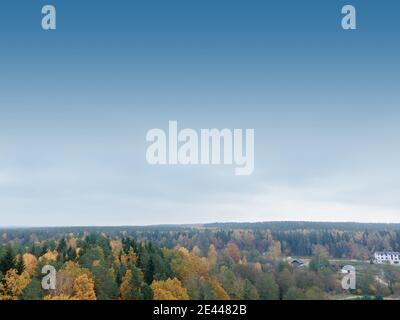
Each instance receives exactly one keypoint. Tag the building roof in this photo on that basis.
(297, 263)
(388, 253)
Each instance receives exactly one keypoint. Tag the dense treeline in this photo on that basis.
(193, 262)
(343, 240)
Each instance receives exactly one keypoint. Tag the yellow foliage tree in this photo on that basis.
(129, 259)
(258, 267)
(13, 284)
(71, 243)
(185, 264)
(66, 278)
(275, 250)
(49, 256)
(196, 251)
(116, 248)
(30, 262)
(219, 291)
(170, 289)
(84, 288)
(125, 285)
(212, 255)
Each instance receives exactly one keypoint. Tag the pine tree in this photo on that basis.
(44, 249)
(7, 262)
(149, 271)
(20, 265)
(133, 286)
(33, 291)
(62, 249)
(62, 245)
(105, 284)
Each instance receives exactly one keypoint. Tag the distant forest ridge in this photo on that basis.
(268, 225)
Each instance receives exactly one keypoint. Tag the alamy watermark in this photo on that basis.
(204, 147)
(49, 17)
(349, 279)
(49, 281)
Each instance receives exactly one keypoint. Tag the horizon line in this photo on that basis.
(192, 224)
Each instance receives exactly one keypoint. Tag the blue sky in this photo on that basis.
(76, 104)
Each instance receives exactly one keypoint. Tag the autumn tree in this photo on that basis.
(66, 278)
(170, 289)
(84, 288)
(48, 256)
(13, 284)
(133, 286)
(274, 251)
(184, 264)
(219, 291)
(232, 251)
(129, 259)
(30, 262)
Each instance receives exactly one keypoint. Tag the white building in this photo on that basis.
(387, 257)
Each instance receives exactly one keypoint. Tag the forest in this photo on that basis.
(246, 261)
